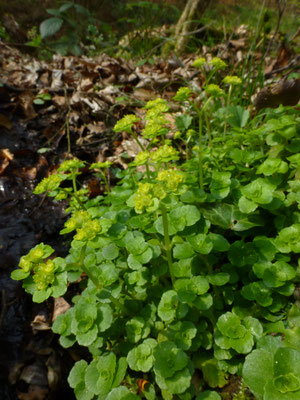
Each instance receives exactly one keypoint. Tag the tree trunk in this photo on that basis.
(186, 22)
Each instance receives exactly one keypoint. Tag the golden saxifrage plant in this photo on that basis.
(191, 260)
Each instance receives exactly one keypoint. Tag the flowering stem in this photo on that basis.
(75, 190)
(103, 173)
(167, 242)
(227, 106)
(210, 76)
(138, 141)
(208, 129)
(200, 151)
(67, 121)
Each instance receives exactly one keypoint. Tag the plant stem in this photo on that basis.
(208, 129)
(200, 149)
(143, 149)
(227, 106)
(137, 140)
(68, 134)
(167, 242)
(74, 184)
(200, 166)
(67, 121)
(105, 180)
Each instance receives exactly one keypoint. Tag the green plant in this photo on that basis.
(41, 98)
(188, 262)
(144, 24)
(70, 20)
(3, 34)
(272, 371)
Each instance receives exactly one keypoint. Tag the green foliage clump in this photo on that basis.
(188, 263)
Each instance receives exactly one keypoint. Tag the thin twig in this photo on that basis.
(294, 64)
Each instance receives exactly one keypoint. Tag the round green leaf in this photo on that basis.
(230, 325)
(201, 243)
(104, 317)
(184, 250)
(167, 306)
(121, 393)
(77, 373)
(169, 359)
(259, 191)
(219, 279)
(110, 252)
(257, 371)
(19, 274)
(141, 358)
(219, 242)
(246, 206)
(100, 374)
(50, 26)
(208, 395)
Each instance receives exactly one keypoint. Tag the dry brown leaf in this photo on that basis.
(33, 374)
(86, 84)
(59, 101)
(143, 94)
(57, 82)
(60, 307)
(5, 158)
(40, 323)
(26, 173)
(96, 128)
(54, 370)
(238, 43)
(26, 103)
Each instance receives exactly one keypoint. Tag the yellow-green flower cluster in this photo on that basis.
(44, 274)
(155, 127)
(214, 90)
(86, 228)
(183, 94)
(217, 63)
(34, 263)
(164, 153)
(159, 191)
(171, 178)
(88, 231)
(126, 123)
(36, 255)
(101, 165)
(160, 105)
(141, 158)
(71, 165)
(199, 62)
(232, 80)
(143, 197)
(148, 195)
(48, 184)
(26, 264)
(76, 221)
